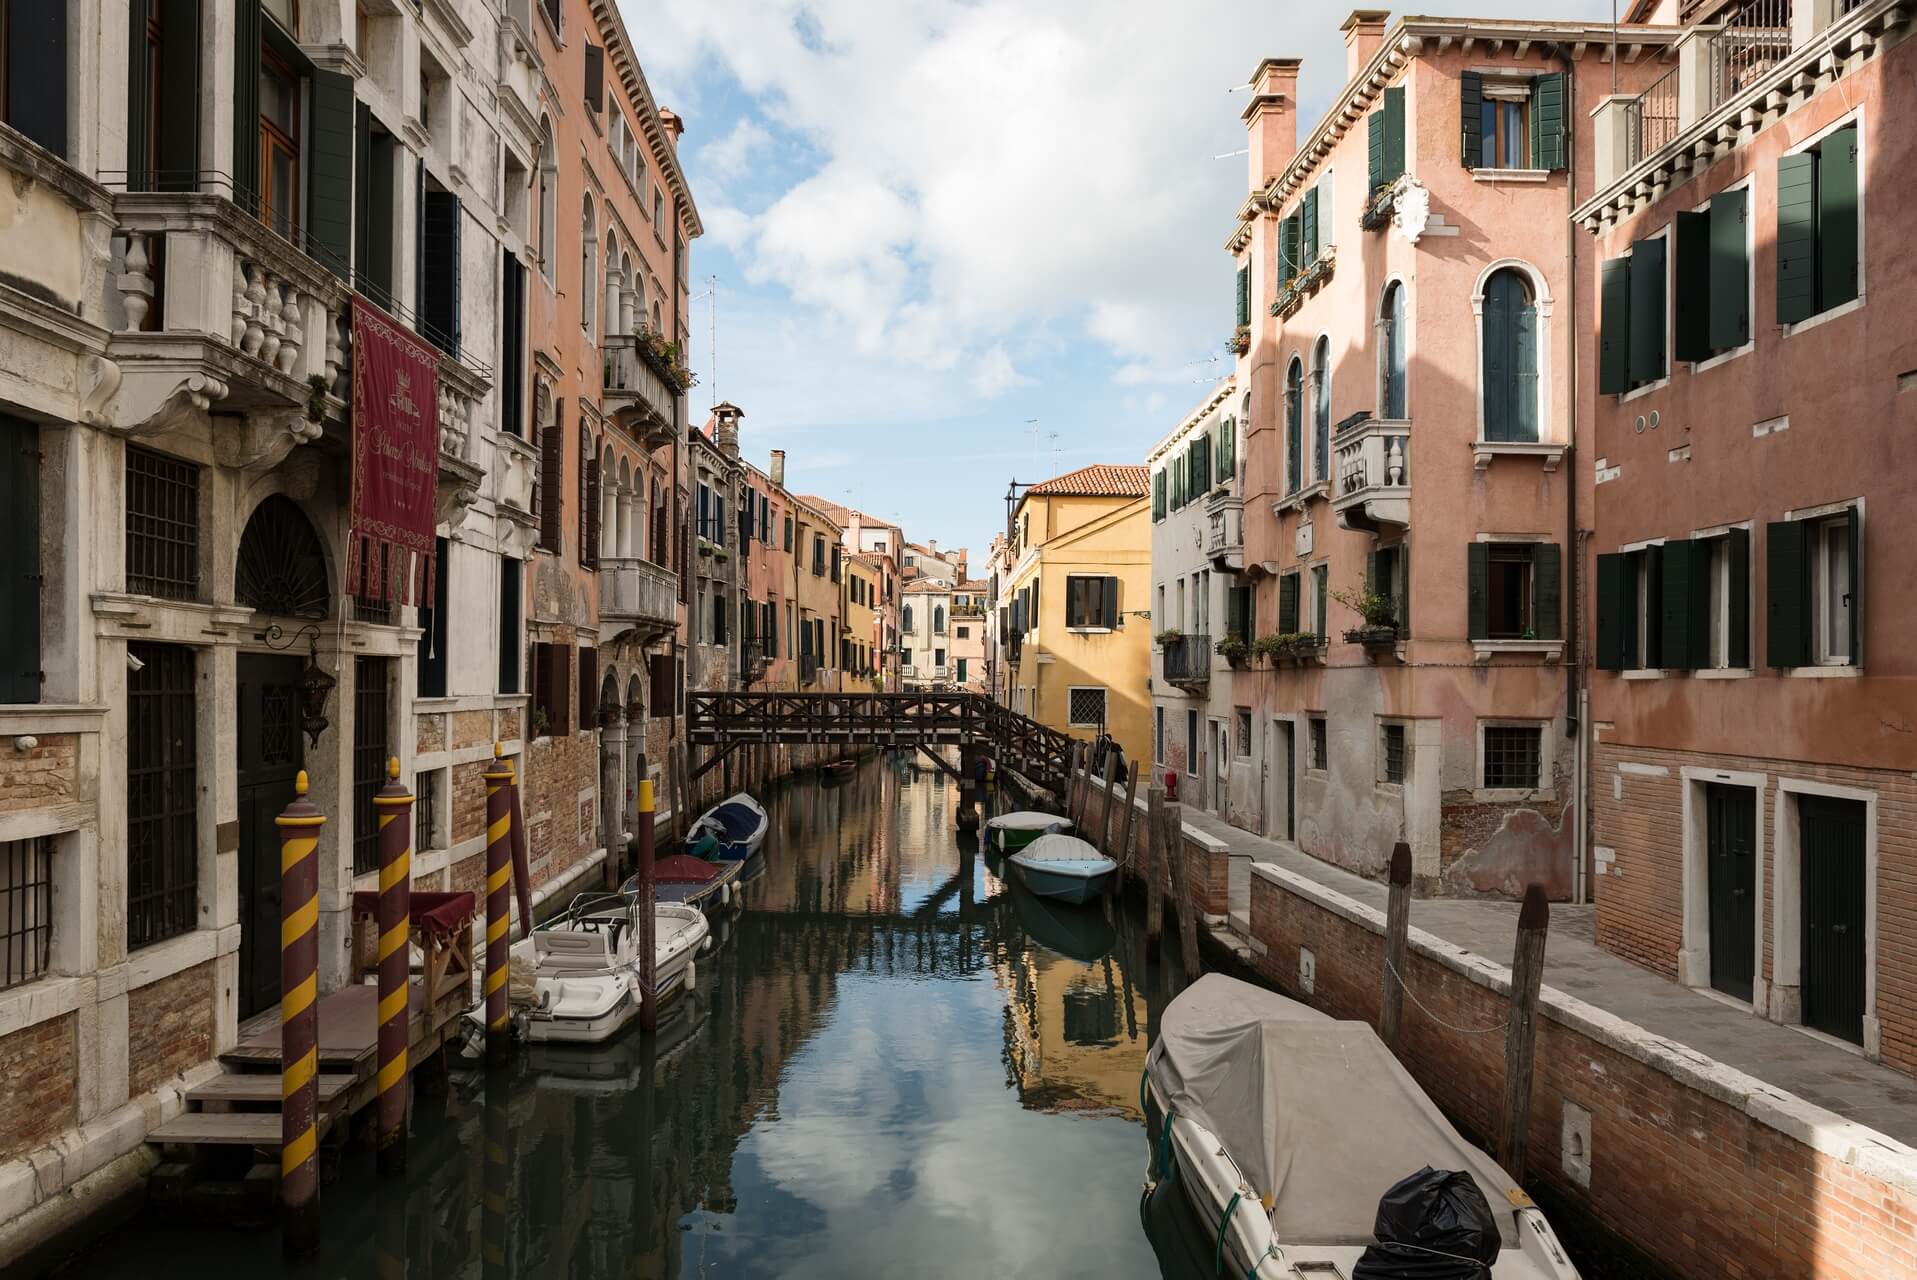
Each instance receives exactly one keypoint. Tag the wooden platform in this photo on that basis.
(220, 1129)
(261, 1086)
(348, 1028)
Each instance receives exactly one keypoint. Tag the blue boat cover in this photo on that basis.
(736, 820)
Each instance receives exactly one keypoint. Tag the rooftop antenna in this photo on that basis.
(1226, 155)
(1033, 424)
(1055, 451)
(1614, 47)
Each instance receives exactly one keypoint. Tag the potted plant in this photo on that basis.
(1232, 649)
(1378, 613)
(1240, 340)
(1168, 635)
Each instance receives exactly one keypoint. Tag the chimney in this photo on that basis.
(778, 468)
(725, 430)
(675, 126)
(1271, 119)
(932, 545)
(855, 527)
(1364, 32)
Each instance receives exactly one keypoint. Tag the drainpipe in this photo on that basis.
(1575, 702)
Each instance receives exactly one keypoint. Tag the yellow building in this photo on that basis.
(859, 650)
(817, 570)
(1078, 634)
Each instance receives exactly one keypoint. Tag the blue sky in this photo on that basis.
(933, 221)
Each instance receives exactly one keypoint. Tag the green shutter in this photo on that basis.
(1319, 617)
(1738, 605)
(1478, 590)
(1611, 612)
(1614, 286)
(1787, 593)
(1547, 121)
(1796, 237)
(1692, 297)
(1158, 495)
(1308, 224)
(1546, 587)
(329, 192)
(1289, 261)
(1374, 153)
(1201, 461)
(246, 105)
(1683, 615)
(1471, 118)
(1288, 604)
(1730, 273)
(1856, 531)
(1244, 295)
(1837, 219)
(1394, 133)
(1647, 311)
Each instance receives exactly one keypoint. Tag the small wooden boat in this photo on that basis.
(1011, 831)
(1063, 867)
(692, 881)
(733, 829)
(1294, 1139)
(838, 770)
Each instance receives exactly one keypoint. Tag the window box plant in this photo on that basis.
(1240, 341)
(1379, 614)
(1168, 635)
(1233, 649)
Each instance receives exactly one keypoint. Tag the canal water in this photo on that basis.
(893, 1063)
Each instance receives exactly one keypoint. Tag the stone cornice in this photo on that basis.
(612, 29)
(20, 154)
(1209, 405)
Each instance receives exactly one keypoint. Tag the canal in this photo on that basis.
(891, 1064)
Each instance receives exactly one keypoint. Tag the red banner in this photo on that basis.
(395, 460)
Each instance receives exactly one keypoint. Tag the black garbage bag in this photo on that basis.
(1433, 1225)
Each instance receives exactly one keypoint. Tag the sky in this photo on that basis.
(953, 243)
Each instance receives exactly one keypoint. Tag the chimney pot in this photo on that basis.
(778, 468)
(1364, 32)
(1271, 120)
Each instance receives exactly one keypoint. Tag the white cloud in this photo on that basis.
(730, 155)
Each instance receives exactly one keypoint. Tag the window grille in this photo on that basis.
(1511, 756)
(426, 812)
(1394, 753)
(162, 525)
(1087, 707)
(1319, 751)
(162, 795)
(26, 909)
(370, 754)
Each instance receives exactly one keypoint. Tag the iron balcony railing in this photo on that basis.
(1188, 659)
(1651, 118)
(1755, 37)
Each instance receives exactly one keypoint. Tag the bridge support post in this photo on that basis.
(1155, 833)
(968, 788)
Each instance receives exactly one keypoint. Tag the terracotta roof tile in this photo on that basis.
(1100, 480)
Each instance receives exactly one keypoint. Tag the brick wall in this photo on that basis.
(431, 734)
(1688, 1176)
(469, 800)
(1207, 872)
(169, 1027)
(1640, 895)
(48, 774)
(559, 824)
(471, 729)
(40, 1069)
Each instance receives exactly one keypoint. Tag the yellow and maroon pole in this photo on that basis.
(499, 871)
(299, 826)
(394, 804)
(648, 924)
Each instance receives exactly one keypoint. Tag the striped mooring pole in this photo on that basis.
(648, 923)
(496, 1179)
(299, 826)
(394, 805)
(499, 870)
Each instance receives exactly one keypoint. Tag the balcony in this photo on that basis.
(1373, 474)
(635, 395)
(808, 668)
(638, 594)
(1225, 532)
(1188, 663)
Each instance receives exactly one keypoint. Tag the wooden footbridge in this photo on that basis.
(722, 722)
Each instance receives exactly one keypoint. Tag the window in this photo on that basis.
(438, 259)
(1631, 318)
(1384, 140)
(1321, 410)
(162, 92)
(1392, 754)
(1320, 752)
(1682, 604)
(818, 556)
(1711, 301)
(1513, 590)
(162, 794)
(1241, 740)
(1091, 601)
(26, 908)
(1815, 590)
(1158, 495)
(1391, 352)
(1294, 424)
(510, 635)
(162, 525)
(938, 657)
(279, 142)
(716, 634)
(1504, 131)
(552, 689)
(33, 71)
(588, 268)
(1158, 735)
(371, 750)
(658, 215)
(512, 345)
(1288, 604)
(1819, 233)
(1389, 577)
(1511, 122)
(1244, 296)
(1320, 596)
(1508, 372)
(433, 621)
(548, 192)
(1511, 754)
(426, 826)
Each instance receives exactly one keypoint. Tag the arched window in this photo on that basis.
(938, 619)
(657, 327)
(632, 306)
(282, 564)
(548, 188)
(588, 268)
(1392, 333)
(1509, 368)
(905, 618)
(1321, 410)
(637, 277)
(613, 280)
(1294, 424)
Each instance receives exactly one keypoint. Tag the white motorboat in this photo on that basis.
(1285, 1128)
(1063, 867)
(584, 966)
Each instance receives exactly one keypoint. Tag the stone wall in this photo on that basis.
(169, 1027)
(40, 1069)
(558, 795)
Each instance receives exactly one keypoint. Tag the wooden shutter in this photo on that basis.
(1394, 133)
(36, 52)
(374, 274)
(1854, 522)
(1614, 287)
(1730, 271)
(1737, 652)
(1796, 238)
(1288, 260)
(1109, 599)
(589, 535)
(552, 471)
(1611, 612)
(1787, 593)
(1496, 373)
(1201, 446)
(1288, 604)
(1478, 589)
(1692, 297)
(1158, 495)
(1684, 614)
(512, 345)
(1647, 311)
(1837, 219)
(1471, 119)
(20, 567)
(1244, 295)
(595, 77)
(1308, 228)
(1374, 153)
(1225, 454)
(589, 707)
(246, 103)
(1546, 588)
(362, 188)
(329, 189)
(1548, 114)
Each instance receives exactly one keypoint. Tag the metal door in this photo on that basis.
(1730, 819)
(1832, 841)
(271, 753)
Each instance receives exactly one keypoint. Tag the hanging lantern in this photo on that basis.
(316, 686)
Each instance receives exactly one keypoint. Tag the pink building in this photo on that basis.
(1412, 338)
(1752, 773)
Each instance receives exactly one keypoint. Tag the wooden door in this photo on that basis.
(1832, 842)
(1730, 829)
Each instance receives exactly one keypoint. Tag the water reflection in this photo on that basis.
(892, 1063)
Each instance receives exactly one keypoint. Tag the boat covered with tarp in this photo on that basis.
(696, 882)
(1012, 831)
(1063, 867)
(732, 829)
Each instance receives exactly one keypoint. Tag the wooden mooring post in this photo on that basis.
(1174, 818)
(1125, 829)
(1397, 925)
(299, 825)
(1521, 1030)
(1154, 868)
(499, 837)
(1109, 805)
(394, 804)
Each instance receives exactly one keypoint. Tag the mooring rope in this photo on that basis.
(1468, 1031)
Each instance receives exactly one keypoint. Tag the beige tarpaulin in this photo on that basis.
(1317, 1114)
